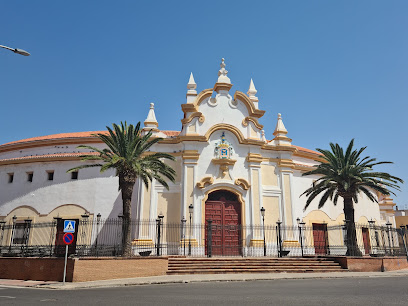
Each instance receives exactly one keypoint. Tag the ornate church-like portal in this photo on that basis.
(224, 209)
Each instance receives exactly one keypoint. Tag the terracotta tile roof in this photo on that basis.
(306, 150)
(91, 133)
(56, 136)
(73, 135)
(56, 155)
(171, 133)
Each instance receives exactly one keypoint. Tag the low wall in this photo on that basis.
(372, 264)
(81, 269)
(88, 269)
(43, 269)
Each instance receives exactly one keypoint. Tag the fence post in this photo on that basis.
(279, 239)
(326, 239)
(209, 238)
(98, 220)
(183, 234)
(52, 236)
(158, 237)
(301, 237)
(2, 224)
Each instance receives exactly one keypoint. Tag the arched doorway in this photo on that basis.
(224, 209)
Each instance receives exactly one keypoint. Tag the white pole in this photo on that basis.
(65, 264)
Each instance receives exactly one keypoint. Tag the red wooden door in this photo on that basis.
(226, 229)
(214, 211)
(366, 240)
(319, 238)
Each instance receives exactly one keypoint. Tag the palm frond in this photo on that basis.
(348, 174)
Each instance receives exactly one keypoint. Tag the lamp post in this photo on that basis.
(98, 220)
(300, 225)
(16, 50)
(391, 244)
(190, 210)
(159, 223)
(279, 240)
(263, 228)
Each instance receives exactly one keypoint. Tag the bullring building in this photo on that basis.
(227, 167)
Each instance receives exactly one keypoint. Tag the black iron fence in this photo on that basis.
(153, 237)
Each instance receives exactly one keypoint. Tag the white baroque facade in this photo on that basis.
(254, 171)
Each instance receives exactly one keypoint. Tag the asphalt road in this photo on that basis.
(346, 291)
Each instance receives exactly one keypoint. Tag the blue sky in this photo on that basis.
(336, 70)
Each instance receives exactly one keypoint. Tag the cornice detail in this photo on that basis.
(252, 110)
(208, 180)
(286, 163)
(192, 116)
(254, 121)
(254, 158)
(190, 154)
(193, 107)
(243, 183)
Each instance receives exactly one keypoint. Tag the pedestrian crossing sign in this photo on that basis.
(69, 226)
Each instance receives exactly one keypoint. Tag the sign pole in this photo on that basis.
(68, 238)
(65, 263)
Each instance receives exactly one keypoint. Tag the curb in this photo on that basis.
(185, 279)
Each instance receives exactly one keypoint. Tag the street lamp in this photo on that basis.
(300, 224)
(16, 50)
(263, 228)
(190, 210)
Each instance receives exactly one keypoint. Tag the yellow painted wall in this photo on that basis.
(63, 211)
(255, 197)
(189, 188)
(169, 205)
(269, 177)
(146, 203)
(288, 200)
(46, 234)
(176, 165)
(271, 205)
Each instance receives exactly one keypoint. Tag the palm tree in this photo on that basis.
(127, 153)
(349, 175)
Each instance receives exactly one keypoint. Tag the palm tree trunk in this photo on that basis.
(352, 246)
(126, 183)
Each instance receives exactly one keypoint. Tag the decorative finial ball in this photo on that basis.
(279, 116)
(151, 105)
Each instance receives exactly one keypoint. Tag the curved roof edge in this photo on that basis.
(80, 135)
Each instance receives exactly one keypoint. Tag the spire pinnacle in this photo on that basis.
(222, 73)
(252, 92)
(191, 86)
(280, 133)
(191, 89)
(151, 121)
